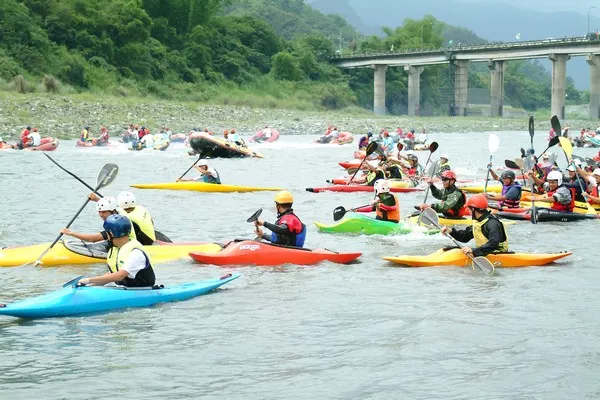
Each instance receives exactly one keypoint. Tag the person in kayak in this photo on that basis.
(592, 194)
(128, 263)
(85, 134)
(510, 197)
(207, 174)
(453, 200)
(104, 137)
(24, 134)
(141, 220)
(236, 138)
(106, 206)
(33, 139)
(487, 230)
(288, 230)
(364, 141)
(386, 204)
(4, 145)
(444, 165)
(376, 173)
(576, 183)
(561, 197)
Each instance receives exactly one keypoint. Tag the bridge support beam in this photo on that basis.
(497, 69)
(559, 83)
(414, 89)
(379, 89)
(594, 62)
(461, 87)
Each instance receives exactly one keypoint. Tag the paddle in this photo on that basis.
(493, 144)
(73, 282)
(434, 168)
(107, 174)
(531, 130)
(568, 150)
(192, 166)
(369, 150)
(430, 218)
(432, 148)
(253, 218)
(340, 211)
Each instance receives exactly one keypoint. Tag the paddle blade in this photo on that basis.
(107, 174)
(556, 125)
(371, 148)
(511, 164)
(566, 145)
(72, 282)
(531, 127)
(493, 143)
(482, 264)
(432, 168)
(429, 218)
(338, 213)
(433, 147)
(554, 141)
(533, 215)
(400, 146)
(519, 162)
(254, 217)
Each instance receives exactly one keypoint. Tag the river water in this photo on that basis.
(362, 331)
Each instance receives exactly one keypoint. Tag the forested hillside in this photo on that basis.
(231, 51)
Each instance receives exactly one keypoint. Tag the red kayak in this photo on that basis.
(358, 188)
(250, 252)
(46, 144)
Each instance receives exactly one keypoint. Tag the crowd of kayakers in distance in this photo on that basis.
(587, 137)
(29, 137)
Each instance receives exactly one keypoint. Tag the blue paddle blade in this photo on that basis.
(72, 282)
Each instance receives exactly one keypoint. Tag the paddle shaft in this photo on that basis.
(72, 174)
(455, 241)
(192, 166)
(487, 177)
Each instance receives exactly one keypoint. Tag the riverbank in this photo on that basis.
(64, 116)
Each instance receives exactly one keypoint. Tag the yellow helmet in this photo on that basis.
(284, 197)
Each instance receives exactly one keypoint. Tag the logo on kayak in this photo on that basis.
(251, 247)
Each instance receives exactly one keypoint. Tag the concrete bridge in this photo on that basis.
(559, 51)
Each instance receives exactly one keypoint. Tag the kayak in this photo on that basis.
(267, 135)
(209, 146)
(343, 138)
(455, 257)
(414, 219)
(250, 252)
(362, 224)
(201, 187)
(74, 300)
(398, 183)
(361, 188)
(547, 215)
(356, 163)
(78, 252)
(580, 207)
(492, 187)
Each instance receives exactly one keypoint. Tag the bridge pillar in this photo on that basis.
(461, 87)
(497, 69)
(559, 82)
(594, 62)
(379, 89)
(414, 89)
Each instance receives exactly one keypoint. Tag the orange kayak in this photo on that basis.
(455, 257)
(250, 252)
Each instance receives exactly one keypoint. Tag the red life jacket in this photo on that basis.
(563, 207)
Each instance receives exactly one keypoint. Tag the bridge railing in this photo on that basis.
(592, 37)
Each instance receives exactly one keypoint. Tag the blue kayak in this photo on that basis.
(74, 300)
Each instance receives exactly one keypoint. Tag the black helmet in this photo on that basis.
(28, 127)
(508, 174)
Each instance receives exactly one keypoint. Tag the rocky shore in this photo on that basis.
(64, 116)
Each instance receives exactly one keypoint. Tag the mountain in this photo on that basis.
(494, 21)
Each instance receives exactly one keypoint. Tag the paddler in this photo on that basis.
(85, 134)
(376, 173)
(386, 204)
(288, 230)
(106, 207)
(34, 139)
(591, 194)
(576, 182)
(128, 263)
(444, 165)
(364, 141)
(453, 200)
(207, 174)
(487, 230)
(104, 137)
(561, 197)
(510, 197)
(235, 138)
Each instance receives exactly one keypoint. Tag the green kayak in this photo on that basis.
(362, 224)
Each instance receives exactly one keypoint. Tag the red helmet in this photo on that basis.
(449, 175)
(478, 201)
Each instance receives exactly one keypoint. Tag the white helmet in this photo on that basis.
(106, 204)
(555, 176)
(444, 155)
(126, 200)
(382, 186)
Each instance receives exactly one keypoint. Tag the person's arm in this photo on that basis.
(366, 209)
(494, 175)
(278, 229)
(86, 237)
(106, 278)
(451, 201)
(591, 199)
(462, 235)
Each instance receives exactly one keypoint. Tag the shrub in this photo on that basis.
(51, 84)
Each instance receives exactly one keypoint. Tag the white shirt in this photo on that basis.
(267, 132)
(35, 136)
(148, 140)
(134, 263)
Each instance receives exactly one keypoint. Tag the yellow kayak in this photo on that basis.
(580, 207)
(492, 187)
(60, 254)
(201, 187)
(414, 219)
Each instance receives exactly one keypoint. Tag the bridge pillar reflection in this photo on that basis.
(461, 87)
(559, 82)
(414, 89)
(379, 89)
(497, 69)
(594, 62)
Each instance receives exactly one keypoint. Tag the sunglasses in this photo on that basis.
(446, 179)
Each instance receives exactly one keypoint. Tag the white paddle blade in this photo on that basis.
(429, 218)
(493, 143)
(482, 264)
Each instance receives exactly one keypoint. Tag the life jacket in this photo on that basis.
(444, 167)
(394, 172)
(373, 176)
(392, 216)
(563, 207)
(460, 209)
(212, 179)
(143, 225)
(511, 203)
(296, 234)
(84, 135)
(117, 256)
(24, 135)
(480, 238)
(104, 136)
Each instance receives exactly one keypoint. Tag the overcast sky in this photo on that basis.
(578, 6)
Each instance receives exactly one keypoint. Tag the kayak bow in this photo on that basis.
(201, 187)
